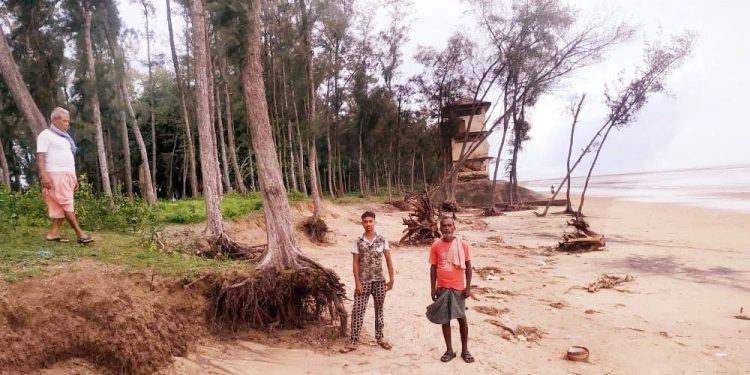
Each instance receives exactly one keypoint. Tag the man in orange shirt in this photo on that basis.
(449, 263)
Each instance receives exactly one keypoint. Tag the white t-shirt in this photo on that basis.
(59, 157)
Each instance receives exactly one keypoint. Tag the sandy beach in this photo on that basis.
(692, 276)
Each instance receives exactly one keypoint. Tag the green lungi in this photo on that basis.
(449, 305)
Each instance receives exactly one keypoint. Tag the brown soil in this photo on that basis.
(91, 318)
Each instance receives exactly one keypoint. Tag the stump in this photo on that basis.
(583, 239)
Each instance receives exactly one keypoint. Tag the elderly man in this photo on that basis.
(450, 264)
(57, 173)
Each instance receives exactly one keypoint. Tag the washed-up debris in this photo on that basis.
(489, 310)
(485, 272)
(557, 305)
(582, 240)
(521, 333)
(608, 282)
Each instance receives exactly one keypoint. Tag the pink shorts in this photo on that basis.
(59, 198)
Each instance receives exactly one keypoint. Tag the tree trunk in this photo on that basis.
(282, 251)
(311, 116)
(568, 206)
(222, 145)
(146, 187)
(17, 87)
(579, 212)
(411, 181)
(251, 163)
(290, 132)
(183, 108)
(398, 149)
(387, 170)
(362, 185)
(301, 153)
(170, 180)
(94, 100)
(230, 130)
(152, 115)
(209, 162)
(424, 172)
(4, 170)
(506, 123)
(125, 146)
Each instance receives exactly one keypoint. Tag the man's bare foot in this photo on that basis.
(350, 347)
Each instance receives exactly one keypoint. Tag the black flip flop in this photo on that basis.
(448, 356)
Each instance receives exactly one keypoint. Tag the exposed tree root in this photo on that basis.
(583, 239)
(288, 299)
(316, 229)
(239, 251)
(422, 224)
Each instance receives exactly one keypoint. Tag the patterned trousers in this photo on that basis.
(377, 289)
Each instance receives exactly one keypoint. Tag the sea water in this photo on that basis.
(725, 187)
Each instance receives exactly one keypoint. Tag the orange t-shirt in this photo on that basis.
(448, 274)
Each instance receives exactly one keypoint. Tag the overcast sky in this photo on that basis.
(700, 123)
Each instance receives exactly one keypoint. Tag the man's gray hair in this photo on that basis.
(57, 113)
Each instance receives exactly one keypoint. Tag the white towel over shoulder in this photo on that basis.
(457, 254)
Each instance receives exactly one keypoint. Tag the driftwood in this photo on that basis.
(608, 282)
(422, 224)
(527, 333)
(583, 239)
(489, 310)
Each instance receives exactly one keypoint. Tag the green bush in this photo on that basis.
(27, 208)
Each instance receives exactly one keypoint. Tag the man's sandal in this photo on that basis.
(85, 240)
(384, 344)
(348, 348)
(467, 357)
(448, 356)
(58, 239)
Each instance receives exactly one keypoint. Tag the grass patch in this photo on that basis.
(233, 206)
(27, 254)
(360, 198)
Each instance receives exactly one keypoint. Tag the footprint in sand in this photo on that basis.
(414, 356)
